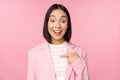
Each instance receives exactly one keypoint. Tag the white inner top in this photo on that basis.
(59, 63)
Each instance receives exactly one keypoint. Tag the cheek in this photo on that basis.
(65, 27)
(50, 26)
(50, 29)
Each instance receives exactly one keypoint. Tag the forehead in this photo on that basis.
(58, 13)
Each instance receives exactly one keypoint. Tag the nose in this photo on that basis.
(57, 25)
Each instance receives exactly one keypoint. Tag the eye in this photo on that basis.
(52, 20)
(63, 21)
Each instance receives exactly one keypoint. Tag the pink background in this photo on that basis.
(96, 27)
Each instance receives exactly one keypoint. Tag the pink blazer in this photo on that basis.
(40, 66)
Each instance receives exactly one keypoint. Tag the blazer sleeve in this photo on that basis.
(31, 66)
(80, 66)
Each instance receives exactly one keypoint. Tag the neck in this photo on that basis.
(57, 41)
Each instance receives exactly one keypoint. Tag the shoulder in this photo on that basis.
(36, 48)
(80, 50)
(74, 46)
(34, 53)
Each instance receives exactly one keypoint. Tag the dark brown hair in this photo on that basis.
(68, 33)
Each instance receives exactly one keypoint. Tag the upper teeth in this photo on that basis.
(57, 31)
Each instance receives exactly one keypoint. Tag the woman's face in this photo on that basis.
(57, 25)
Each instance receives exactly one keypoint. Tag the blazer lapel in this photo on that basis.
(68, 71)
(69, 68)
(50, 62)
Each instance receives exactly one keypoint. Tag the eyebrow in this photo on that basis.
(55, 16)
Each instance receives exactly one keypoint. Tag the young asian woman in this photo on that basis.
(57, 58)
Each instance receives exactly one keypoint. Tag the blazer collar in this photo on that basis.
(70, 48)
(45, 47)
(69, 45)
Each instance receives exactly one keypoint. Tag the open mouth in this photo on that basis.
(57, 32)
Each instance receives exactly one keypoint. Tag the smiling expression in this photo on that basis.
(57, 25)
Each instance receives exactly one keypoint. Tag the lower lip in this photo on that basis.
(57, 33)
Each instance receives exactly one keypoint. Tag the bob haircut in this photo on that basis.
(46, 34)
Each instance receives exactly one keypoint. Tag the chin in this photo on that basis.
(58, 38)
